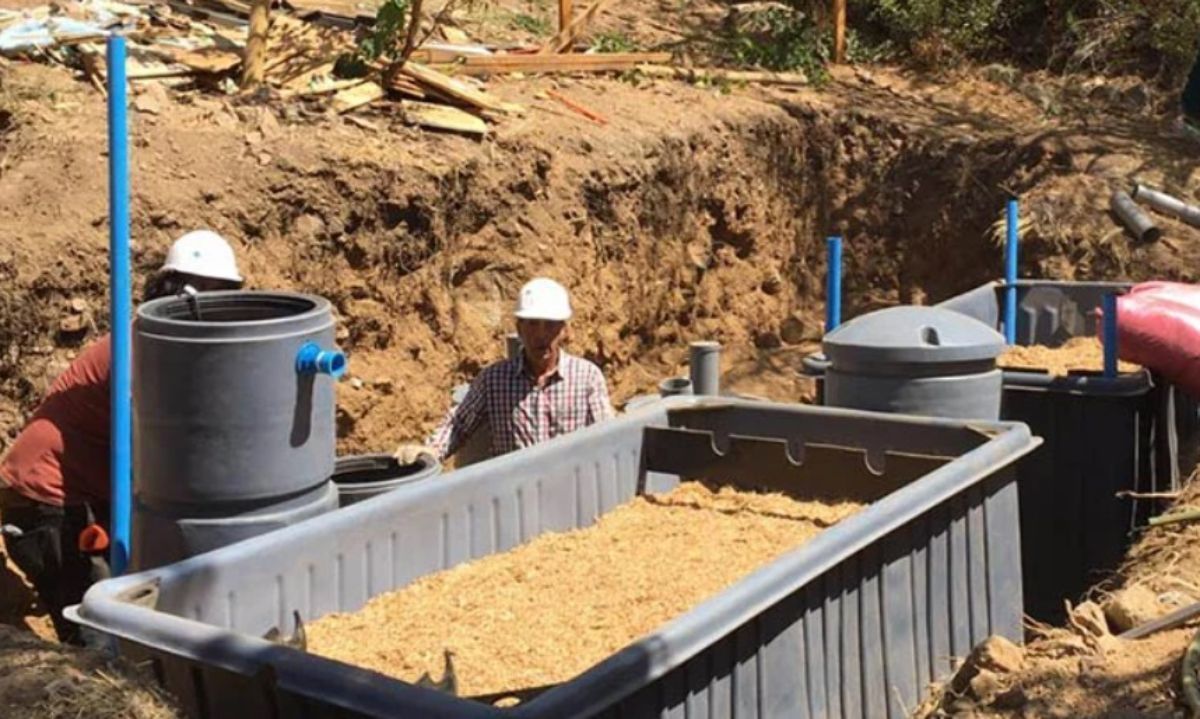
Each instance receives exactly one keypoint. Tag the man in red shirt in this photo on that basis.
(54, 481)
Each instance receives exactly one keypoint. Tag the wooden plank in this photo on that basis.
(713, 73)
(563, 40)
(453, 88)
(211, 60)
(356, 97)
(839, 31)
(567, 62)
(564, 14)
(443, 117)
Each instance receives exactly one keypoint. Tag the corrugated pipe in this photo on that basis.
(1167, 204)
(704, 367)
(1138, 222)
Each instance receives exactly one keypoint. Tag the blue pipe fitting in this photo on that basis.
(311, 359)
(1011, 245)
(1111, 350)
(833, 283)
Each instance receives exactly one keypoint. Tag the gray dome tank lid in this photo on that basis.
(912, 335)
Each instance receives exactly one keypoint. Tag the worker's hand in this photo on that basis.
(411, 453)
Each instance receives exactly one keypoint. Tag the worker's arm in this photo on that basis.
(460, 421)
(599, 406)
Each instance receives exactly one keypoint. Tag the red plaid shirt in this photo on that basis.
(519, 412)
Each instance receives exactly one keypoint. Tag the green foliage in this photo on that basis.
(614, 41)
(780, 39)
(530, 24)
(385, 40)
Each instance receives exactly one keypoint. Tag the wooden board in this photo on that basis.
(357, 96)
(454, 88)
(567, 62)
(210, 60)
(443, 117)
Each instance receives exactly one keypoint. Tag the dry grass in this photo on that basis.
(41, 680)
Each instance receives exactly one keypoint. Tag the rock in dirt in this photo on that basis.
(1132, 607)
(997, 654)
(152, 99)
(309, 226)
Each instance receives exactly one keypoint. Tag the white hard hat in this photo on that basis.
(543, 299)
(203, 253)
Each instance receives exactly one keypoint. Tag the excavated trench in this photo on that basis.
(713, 230)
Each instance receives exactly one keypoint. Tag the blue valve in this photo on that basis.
(311, 359)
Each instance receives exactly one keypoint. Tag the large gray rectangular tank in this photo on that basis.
(856, 623)
(234, 427)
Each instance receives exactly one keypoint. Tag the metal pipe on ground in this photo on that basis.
(1138, 222)
(704, 367)
(1167, 204)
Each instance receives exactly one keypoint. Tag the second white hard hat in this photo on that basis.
(203, 253)
(543, 299)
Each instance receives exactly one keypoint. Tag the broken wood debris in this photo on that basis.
(565, 38)
(564, 63)
(693, 74)
(576, 107)
(355, 97)
(442, 117)
(456, 89)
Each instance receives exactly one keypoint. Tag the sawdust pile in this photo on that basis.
(41, 680)
(1078, 354)
(548, 610)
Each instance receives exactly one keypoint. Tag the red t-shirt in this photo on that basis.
(61, 456)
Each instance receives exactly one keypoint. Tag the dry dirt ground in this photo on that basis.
(695, 213)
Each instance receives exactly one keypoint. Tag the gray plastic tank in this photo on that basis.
(915, 360)
(364, 476)
(233, 418)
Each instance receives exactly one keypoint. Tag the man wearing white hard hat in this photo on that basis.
(54, 480)
(543, 393)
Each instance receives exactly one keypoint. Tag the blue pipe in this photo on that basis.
(311, 359)
(1110, 335)
(1010, 276)
(121, 395)
(833, 283)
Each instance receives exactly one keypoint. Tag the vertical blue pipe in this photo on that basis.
(1110, 335)
(1010, 276)
(121, 306)
(833, 283)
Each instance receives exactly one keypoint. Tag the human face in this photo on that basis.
(540, 340)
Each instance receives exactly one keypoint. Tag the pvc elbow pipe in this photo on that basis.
(1163, 202)
(1138, 222)
(311, 359)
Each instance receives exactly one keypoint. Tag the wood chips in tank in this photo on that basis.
(547, 610)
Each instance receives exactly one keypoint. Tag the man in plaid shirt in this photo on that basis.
(533, 398)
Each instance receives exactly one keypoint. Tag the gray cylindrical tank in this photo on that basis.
(233, 417)
(364, 476)
(915, 360)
